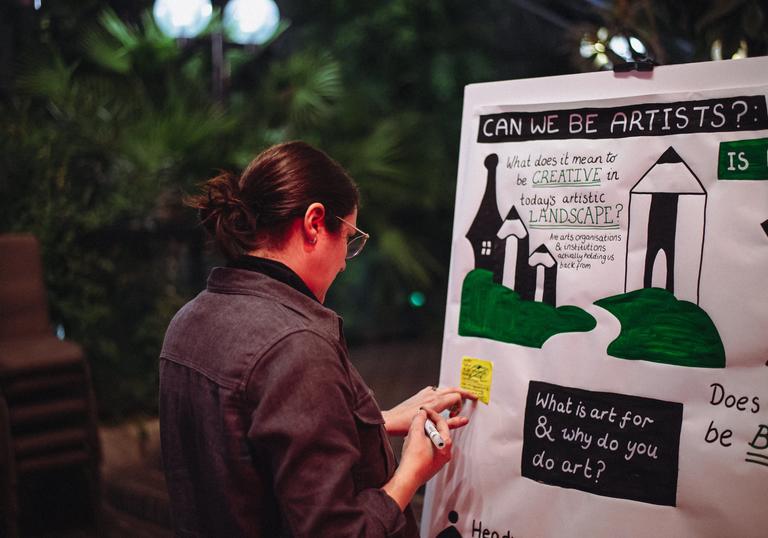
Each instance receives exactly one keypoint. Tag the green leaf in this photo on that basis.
(407, 258)
(306, 85)
(105, 51)
(128, 36)
(51, 79)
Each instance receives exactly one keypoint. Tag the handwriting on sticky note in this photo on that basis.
(476, 377)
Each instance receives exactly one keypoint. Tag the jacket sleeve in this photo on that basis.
(304, 423)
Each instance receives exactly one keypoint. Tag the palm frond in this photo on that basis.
(128, 36)
(51, 78)
(408, 259)
(307, 84)
(382, 151)
(161, 139)
(106, 52)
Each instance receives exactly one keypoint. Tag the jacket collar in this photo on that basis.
(275, 269)
(228, 280)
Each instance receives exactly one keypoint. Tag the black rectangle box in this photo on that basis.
(551, 409)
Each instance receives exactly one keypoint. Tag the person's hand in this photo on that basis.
(420, 458)
(398, 419)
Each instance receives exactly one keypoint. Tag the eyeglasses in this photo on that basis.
(355, 243)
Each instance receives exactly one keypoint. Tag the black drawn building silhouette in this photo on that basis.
(519, 276)
(667, 212)
(490, 237)
(482, 234)
(542, 257)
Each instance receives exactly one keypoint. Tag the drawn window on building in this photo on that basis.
(485, 248)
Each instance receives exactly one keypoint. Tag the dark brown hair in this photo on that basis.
(255, 209)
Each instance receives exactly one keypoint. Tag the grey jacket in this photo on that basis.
(267, 429)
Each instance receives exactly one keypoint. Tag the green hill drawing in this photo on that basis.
(657, 327)
(493, 311)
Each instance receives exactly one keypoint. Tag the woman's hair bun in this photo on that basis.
(256, 209)
(227, 217)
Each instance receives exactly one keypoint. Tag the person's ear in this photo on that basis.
(314, 222)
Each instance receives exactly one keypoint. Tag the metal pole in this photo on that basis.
(217, 66)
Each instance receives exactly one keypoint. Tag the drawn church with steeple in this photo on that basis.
(501, 246)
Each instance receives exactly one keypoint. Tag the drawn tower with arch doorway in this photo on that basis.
(667, 216)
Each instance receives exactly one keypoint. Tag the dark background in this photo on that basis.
(106, 123)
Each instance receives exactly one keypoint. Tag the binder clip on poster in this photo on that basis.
(640, 63)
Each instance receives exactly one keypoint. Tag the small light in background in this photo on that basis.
(620, 46)
(38, 4)
(597, 47)
(417, 299)
(601, 60)
(587, 48)
(60, 333)
(742, 52)
(182, 18)
(251, 22)
(637, 45)
(716, 52)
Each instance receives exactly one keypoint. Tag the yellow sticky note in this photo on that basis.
(476, 377)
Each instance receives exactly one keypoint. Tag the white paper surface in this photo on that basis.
(671, 365)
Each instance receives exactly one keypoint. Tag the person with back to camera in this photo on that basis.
(267, 429)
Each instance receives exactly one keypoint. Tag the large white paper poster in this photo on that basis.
(608, 296)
